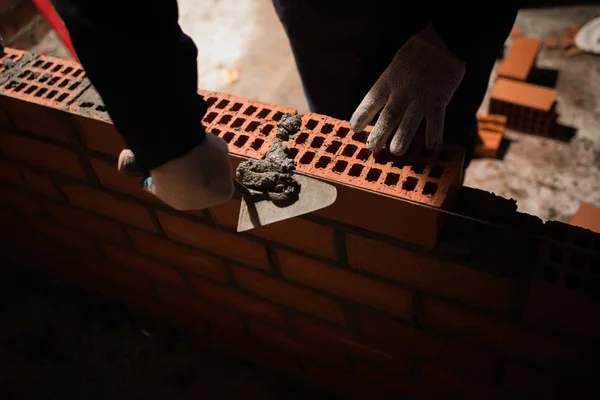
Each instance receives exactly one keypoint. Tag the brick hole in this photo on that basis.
(556, 255)
(327, 128)
(592, 287)
(382, 157)
(430, 188)
(238, 122)
(445, 156)
(277, 116)
(40, 92)
(64, 83)
(53, 80)
(30, 90)
(101, 108)
(62, 97)
(311, 124)
(356, 170)
(363, 154)
(410, 184)
(572, 281)
(317, 142)
(267, 129)
(225, 119)
(349, 150)
(32, 77)
(373, 175)
(257, 144)
(210, 117)
(38, 63)
(86, 104)
(292, 152)
(228, 136)
(323, 162)
(398, 163)
(340, 166)
(250, 110)
(581, 241)
(211, 100)
(25, 74)
(241, 141)
(252, 126)
(21, 86)
(550, 274)
(436, 171)
(577, 261)
(360, 136)
(57, 68)
(222, 104)
(418, 167)
(307, 157)
(215, 131)
(43, 78)
(302, 138)
(333, 147)
(67, 70)
(47, 65)
(263, 113)
(236, 106)
(74, 86)
(342, 132)
(392, 179)
(52, 94)
(426, 153)
(77, 73)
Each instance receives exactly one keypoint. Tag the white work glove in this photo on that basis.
(199, 179)
(418, 83)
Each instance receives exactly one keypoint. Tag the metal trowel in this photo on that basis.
(256, 209)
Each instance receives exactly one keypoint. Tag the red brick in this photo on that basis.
(346, 343)
(424, 344)
(289, 295)
(111, 178)
(513, 339)
(226, 213)
(346, 284)
(191, 260)
(61, 234)
(24, 177)
(392, 381)
(463, 386)
(144, 265)
(452, 280)
(100, 136)
(281, 340)
(41, 154)
(214, 240)
(95, 226)
(106, 204)
(245, 304)
(18, 201)
(219, 319)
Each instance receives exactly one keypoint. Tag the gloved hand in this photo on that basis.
(197, 180)
(418, 83)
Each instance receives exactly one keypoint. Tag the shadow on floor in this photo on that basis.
(58, 341)
(543, 77)
(563, 133)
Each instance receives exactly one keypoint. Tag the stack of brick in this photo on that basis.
(528, 107)
(564, 40)
(381, 295)
(491, 131)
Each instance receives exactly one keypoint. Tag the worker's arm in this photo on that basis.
(476, 31)
(144, 68)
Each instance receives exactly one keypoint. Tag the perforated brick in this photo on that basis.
(47, 81)
(15, 56)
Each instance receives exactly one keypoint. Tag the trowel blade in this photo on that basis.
(314, 195)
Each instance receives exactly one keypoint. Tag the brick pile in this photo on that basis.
(381, 295)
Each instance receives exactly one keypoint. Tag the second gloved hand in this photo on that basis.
(418, 84)
(197, 180)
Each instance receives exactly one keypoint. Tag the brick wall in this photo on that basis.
(380, 295)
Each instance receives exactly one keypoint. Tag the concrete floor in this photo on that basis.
(548, 178)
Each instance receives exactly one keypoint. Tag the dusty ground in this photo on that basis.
(548, 178)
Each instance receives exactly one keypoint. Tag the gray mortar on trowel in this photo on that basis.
(274, 174)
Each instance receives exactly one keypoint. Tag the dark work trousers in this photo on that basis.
(342, 47)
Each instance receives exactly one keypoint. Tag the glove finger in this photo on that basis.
(386, 125)
(369, 106)
(435, 128)
(407, 129)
